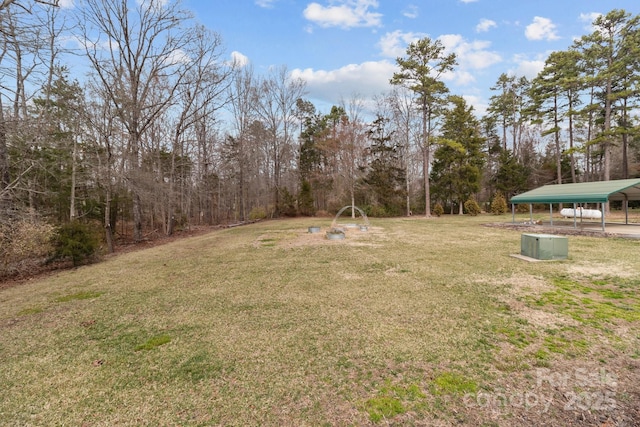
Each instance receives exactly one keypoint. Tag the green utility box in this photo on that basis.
(544, 246)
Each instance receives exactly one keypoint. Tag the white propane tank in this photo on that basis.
(581, 213)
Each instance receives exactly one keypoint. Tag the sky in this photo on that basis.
(348, 48)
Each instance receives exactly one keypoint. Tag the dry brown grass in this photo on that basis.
(412, 323)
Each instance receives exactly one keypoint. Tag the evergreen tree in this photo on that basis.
(511, 176)
(421, 71)
(305, 199)
(56, 148)
(555, 95)
(385, 178)
(507, 108)
(312, 163)
(492, 151)
(502, 104)
(458, 161)
(612, 52)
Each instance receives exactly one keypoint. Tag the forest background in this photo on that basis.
(164, 133)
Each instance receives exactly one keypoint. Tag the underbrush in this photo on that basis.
(25, 244)
(30, 244)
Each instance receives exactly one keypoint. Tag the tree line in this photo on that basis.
(163, 132)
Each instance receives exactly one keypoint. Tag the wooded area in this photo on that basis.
(162, 132)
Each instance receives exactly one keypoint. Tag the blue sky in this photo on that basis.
(347, 47)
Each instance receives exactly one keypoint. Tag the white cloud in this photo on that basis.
(459, 77)
(367, 79)
(94, 45)
(541, 29)
(588, 19)
(476, 54)
(468, 1)
(159, 4)
(450, 41)
(239, 59)
(471, 55)
(479, 105)
(265, 3)
(177, 56)
(526, 67)
(485, 25)
(393, 45)
(66, 4)
(411, 11)
(345, 14)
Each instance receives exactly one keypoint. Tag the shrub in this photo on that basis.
(377, 211)
(24, 244)
(181, 221)
(438, 210)
(305, 200)
(75, 241)
(498, 204)
(257, 212)
(522, 208)
(471, 207)
(287, 206)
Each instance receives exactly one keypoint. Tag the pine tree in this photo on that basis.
(511, 176)
(385, 178)
(56, 150)
(555, 95)
(421, 71)
(458, 161)
(612, 52)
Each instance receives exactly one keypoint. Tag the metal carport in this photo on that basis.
(584, 192)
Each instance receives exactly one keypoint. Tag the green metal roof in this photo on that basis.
(583, 192)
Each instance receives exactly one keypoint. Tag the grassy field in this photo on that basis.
(414, 322)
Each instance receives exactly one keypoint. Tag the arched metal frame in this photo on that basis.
(360, 211)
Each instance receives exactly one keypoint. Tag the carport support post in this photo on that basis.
(531, 213)
(575, 215)
(626, 209)
(603, 209)
(551, 213)
(513, 213)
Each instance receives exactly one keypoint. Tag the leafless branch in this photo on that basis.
(6, 3)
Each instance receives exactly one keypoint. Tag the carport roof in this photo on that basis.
(583, 192)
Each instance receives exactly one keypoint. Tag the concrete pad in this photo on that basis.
(529, 259)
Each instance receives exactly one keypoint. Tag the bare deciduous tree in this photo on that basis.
(202, 93)
(24, 46)
(100, 133)
(404, 117)
(6, 3)
(276, 106)
(243, 114)
(352, 137)
(130, 50)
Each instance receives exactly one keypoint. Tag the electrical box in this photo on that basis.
(544, 246)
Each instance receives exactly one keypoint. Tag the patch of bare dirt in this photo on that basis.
(531, 286)
(353, 237)
(598, 389)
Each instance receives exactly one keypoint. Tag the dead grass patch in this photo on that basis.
(595, 269)
(415, 322)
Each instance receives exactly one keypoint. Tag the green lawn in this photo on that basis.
(415, 322)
